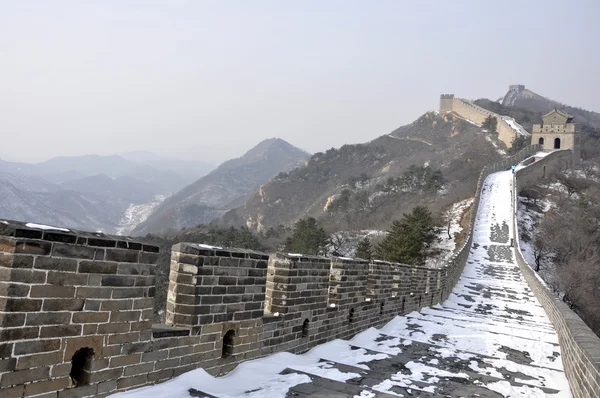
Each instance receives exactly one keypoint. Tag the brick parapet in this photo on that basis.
(211, 285)
(62, 290)
(507, 128)
(347, 281)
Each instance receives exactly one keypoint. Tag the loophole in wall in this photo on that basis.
(228, 344)
(305, 326)
(80, 366)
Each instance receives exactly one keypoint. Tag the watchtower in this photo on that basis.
(557, 131)
(446, 103)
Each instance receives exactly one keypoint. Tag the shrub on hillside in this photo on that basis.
(417, 179)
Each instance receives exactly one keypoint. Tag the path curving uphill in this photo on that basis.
(491, 338)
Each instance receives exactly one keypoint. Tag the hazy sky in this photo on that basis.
(210, 79)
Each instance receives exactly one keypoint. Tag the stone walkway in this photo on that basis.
(491, 338)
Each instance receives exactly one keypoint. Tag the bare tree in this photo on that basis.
(531, 194)
(566, 249)
(338, 243)
(541, 252)
(573, 184)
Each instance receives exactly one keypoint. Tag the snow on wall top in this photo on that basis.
(23, 230)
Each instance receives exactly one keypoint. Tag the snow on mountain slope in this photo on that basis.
(136, 214)
(223, 188)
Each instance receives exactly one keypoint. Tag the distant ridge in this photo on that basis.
(518, 96)
(355, 179)
(90, 191)
(225, 187)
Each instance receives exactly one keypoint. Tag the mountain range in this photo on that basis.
(92, 191)
(353, 187)
(520, 97)
(273, 184)
(349, 187)
(226, 187)
(115, 194)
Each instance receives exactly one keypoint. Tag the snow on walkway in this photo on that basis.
(491, 338)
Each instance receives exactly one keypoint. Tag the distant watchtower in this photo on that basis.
(446, 103)
(557, 131)
(516, 87)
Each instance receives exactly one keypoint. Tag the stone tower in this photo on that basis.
(446, 103)
(557, 131)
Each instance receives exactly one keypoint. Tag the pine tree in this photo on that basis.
(307, 238)
(409, 239)
(490, 124)
(518, 143)
(364, 249)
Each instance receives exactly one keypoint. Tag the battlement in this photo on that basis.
(60, 238)
(77, 307)
(507, 128)
(516, 87)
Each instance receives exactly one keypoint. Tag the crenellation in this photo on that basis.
(507, 128)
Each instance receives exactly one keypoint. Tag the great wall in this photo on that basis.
(77, 308)
(508, 129)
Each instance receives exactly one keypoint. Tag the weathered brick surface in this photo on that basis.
(57, 296)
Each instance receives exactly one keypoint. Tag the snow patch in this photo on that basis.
(46, 227)
(136, 214)
(445, 243)
(209, 247)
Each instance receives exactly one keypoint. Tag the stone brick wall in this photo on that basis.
(507, 127)
(580, 347)
(66, 293)
(543, 168)
(213, 291)
(446, 103)
(61, 291)
(297, 290)
(338, 298)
